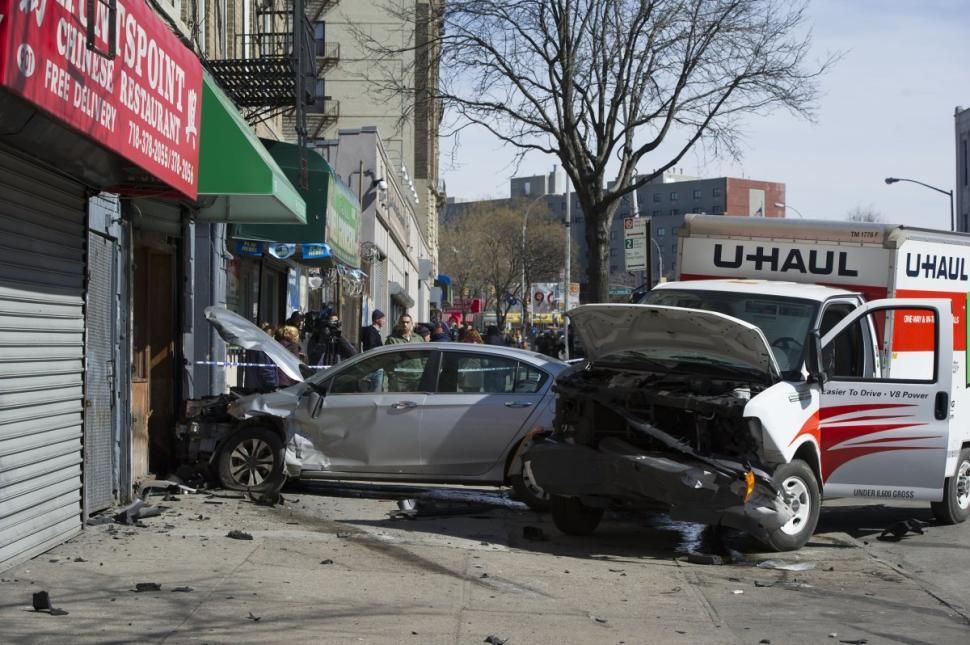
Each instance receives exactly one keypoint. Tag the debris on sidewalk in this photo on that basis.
(601, 621)
(495, 640)
(147, 586)
(183, 589)
(166, 486)
(272, 498)
(254, 618)
(42, 603)
(899, 530)
(695, 557)
(327, 561)
(236, 534)
(781, 565)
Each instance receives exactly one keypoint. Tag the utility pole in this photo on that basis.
(569, 235)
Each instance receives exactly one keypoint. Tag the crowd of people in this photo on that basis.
(318, 340)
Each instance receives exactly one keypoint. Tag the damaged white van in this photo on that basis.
(735, 397)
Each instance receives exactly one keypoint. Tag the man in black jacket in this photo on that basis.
(370, 336)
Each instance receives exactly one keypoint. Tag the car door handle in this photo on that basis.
(942, 408)
(404, 405)
(518, 404)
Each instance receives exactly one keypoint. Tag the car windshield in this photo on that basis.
(785, 322)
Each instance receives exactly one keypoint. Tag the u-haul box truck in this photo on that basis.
(867, 324)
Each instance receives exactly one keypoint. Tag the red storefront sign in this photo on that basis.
(144, 104)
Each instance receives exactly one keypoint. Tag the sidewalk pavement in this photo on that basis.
(302, 578)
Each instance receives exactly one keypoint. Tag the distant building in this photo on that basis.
(961, 118)
(664, 200)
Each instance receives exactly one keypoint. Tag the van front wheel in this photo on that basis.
(955, 507)
(800, 488)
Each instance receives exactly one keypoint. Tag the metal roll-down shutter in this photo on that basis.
(42, 238)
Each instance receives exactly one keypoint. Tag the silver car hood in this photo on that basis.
(666, 332)
(237, 330)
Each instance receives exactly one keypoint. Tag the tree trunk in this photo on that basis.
(598, 258)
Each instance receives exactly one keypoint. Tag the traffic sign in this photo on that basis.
(635, 243)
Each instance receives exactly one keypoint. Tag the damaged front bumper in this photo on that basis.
(696, 489)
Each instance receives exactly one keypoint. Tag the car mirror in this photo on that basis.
(306, 371)
(813, 359)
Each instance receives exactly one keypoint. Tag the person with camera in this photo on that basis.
(327, 344)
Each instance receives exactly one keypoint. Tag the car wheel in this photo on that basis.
(798, 484)
(527, 490)
(955, 507)
(252, 460)
(572, 517)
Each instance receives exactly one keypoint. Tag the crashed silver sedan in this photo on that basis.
(655, 419)
(422, 412)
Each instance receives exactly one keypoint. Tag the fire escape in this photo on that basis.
(282, 66)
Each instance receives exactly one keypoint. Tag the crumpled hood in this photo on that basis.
(668, 332)
(237, 330)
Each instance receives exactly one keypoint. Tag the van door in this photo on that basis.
(883, 429)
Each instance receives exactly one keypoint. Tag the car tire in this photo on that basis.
(252, 460)
(527, 490)
(797, 480)
(955, 507)
(572, 517)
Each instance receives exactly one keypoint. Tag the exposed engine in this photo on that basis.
(703, 413)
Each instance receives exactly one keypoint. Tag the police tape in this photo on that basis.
(239, 364)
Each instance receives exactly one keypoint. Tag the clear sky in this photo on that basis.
(886, 110)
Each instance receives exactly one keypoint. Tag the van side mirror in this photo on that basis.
(813, 359)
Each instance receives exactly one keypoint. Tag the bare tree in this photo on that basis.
(864, 214)
(605, 83)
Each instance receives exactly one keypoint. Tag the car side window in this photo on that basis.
(392, 372)
(528, 379)
(845, 356)
(464, 373)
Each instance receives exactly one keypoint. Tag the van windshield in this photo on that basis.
(785, 322)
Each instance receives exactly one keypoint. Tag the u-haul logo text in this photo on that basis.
(773, 259)
(938, 267)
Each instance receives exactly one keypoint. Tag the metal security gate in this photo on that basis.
(42, 236)
(99, 374)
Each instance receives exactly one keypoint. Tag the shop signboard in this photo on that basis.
(143, 103)
(546, 297)
(343, 222)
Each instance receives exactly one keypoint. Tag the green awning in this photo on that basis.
(332, 209)
(238, 179)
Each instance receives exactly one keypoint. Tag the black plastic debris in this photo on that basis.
(695, 557)
(855, 641)
(79, 559)
(327, 561)
(42, 601)
(495, 640)
(899, 530)
(271, 498)
(254, 618)
(171, 498)
(534, 533)
(147, 586)
(183, 589)
(601, 621)
(236, 534)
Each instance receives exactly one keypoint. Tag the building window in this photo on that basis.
(656, 197)
(675, 211)
(656, 213)
(673, 248)
(697, 193)
(661, 231)
(612, 268)
(612, 237)
(717, 191)
(673, 195)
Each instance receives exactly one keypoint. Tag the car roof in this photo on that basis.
(760, 287)
(535, 358)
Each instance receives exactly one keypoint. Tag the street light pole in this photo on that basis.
(569, 235)
(948, 193)
(786, 207)
(524, 298)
